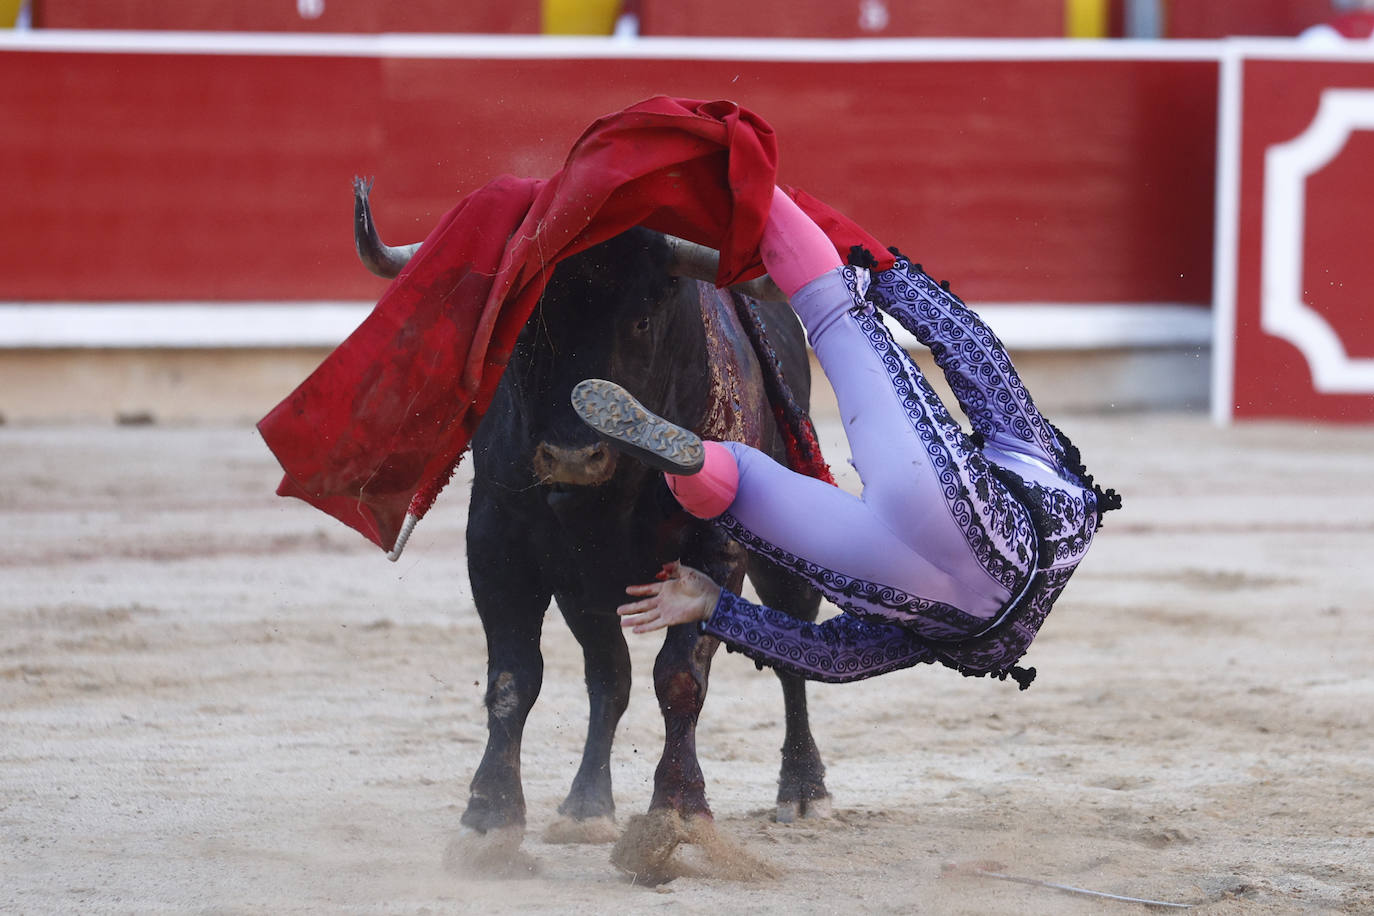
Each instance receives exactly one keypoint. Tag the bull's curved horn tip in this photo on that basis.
(698, 262)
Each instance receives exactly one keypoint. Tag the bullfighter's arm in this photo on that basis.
(841, 649)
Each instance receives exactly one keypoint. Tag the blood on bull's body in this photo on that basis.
(558, 516)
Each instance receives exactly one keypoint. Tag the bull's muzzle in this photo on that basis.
(589, 466)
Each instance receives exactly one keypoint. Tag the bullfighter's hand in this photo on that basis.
(682, 595)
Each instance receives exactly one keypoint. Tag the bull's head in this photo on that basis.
(613, 311)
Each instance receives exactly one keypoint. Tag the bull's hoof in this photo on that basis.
(494, 854)
(645, 850)
(660, 846)
(586, 830)
(811, 809)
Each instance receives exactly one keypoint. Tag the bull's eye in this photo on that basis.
(642, 325)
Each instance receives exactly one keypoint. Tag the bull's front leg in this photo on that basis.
(493, 824)
(515, 674)
(679, 812)
(511, 603)
(681, 672)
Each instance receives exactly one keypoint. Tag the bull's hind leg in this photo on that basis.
(801, 779)
(588, 813)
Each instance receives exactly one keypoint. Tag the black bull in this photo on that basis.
(556, 513)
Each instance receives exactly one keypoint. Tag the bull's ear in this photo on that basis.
(701, 263)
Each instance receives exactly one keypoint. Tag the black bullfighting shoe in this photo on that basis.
(614, 415)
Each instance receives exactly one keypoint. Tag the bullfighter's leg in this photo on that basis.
(606, 663)
(973, 361)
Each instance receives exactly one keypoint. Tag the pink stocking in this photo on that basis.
(794, 249)
(708, 492)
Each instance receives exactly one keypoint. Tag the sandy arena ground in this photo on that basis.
(214, 700)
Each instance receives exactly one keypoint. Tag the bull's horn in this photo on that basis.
(701, 263)
(378, 257)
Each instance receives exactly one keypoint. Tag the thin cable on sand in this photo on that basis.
(1067, 888)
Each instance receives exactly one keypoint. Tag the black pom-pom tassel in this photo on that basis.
(859, 256)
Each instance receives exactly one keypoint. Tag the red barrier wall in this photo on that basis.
(226, 176)
(777, 19)
(1220, 18)
(854, 18)
(285, 15)
(794, 18)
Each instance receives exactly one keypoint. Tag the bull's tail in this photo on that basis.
(794, 422)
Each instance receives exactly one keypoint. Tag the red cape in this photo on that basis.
(378, 429)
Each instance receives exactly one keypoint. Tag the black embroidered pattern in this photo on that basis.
(1108, 500)
(848, 648)
(996, 653)
(859, 256)
(974, 361)
(814, 651)
(1065, 519)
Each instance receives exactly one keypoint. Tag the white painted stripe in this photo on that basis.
(1042, 326)
(394, 45)
(178, 324)
(1226, 235)
(1291, 49)
(397, 45)
(1031, 326)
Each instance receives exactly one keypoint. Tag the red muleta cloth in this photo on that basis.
(378, 429)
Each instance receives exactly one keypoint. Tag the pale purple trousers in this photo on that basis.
(941, 541)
